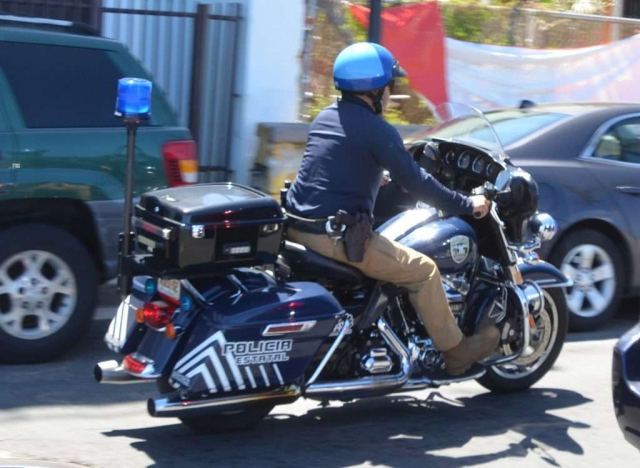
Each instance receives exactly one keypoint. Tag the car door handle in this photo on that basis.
(629, 190)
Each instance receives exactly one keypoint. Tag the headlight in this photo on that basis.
(544, 226)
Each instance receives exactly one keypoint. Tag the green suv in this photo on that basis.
(62, 173)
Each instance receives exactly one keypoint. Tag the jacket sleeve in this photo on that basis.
(389, 153)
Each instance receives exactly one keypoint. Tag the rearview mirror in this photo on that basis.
(503, 180)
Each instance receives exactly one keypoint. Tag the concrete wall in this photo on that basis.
(269, 75)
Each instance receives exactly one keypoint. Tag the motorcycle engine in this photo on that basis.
(374, 356)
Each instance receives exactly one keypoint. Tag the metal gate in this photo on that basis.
(191, 50)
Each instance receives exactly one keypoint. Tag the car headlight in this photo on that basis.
(544, 226)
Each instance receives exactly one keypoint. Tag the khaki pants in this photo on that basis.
(389, 261)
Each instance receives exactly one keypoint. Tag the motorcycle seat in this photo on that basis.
(309, 263)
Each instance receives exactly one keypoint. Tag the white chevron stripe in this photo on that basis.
(222, 375)
(116, 330)
(250, 375)
(199, 348)
(123, 325)
(112, 327)
(264, 376)
(231, 360)
(213, 356)
(206, 375)
(275, 368)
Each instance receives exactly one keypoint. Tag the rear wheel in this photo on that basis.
(594, 264)
(545, 345)
(227, 421)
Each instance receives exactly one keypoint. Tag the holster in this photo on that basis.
(359, 228)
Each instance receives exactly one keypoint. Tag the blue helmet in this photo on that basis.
(365, 66)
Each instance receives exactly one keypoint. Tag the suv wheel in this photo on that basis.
(48, 286)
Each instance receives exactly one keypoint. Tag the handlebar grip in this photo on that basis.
(477, 214)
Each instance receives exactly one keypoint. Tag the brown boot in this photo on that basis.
(471, 350)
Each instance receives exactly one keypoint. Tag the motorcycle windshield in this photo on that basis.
(465, 124)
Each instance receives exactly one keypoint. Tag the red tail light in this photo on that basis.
(180, 162)
(131, 364)
(157, 314)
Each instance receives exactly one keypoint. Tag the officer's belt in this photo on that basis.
(307, 225)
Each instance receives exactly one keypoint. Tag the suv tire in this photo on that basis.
(48, 290)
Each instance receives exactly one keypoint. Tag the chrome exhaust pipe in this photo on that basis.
(367, 386)
(110, 372)
(174, 406)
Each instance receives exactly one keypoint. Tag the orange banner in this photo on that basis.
(415, 36)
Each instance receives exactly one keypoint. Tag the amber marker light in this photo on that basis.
(170, 331)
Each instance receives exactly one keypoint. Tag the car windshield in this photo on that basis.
(513, 126)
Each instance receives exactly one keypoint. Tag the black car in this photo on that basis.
(586, 161)
(626, 385)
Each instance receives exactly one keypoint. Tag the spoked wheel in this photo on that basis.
(227, 421)
(546, 341)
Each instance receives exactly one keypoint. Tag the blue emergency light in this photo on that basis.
(134, 98)
(133, 106)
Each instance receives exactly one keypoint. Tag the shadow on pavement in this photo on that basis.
(398, 431)
(626, 318)
(68, 379)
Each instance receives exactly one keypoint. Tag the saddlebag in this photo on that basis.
(207, 227)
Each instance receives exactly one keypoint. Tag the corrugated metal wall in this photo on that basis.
(165, 47)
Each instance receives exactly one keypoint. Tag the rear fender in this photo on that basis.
(125, 334)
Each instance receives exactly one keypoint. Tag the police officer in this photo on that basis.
(348, 147)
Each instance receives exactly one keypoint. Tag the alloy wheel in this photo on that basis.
(38, 294)
(593, 274)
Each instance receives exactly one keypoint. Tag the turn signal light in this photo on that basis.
(518, 276)
(170, 331)
(157, 314)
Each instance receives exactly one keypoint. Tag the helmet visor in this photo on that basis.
(397, 70)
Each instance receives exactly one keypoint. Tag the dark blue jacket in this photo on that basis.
(348, 147)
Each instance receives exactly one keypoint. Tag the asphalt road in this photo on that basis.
(56, 413)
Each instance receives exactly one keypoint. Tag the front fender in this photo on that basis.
(545, 275)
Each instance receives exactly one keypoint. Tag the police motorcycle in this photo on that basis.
(230, 319)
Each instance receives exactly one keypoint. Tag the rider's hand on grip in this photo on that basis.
(481, 206)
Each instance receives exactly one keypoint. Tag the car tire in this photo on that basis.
(593, 262)
(48, 290)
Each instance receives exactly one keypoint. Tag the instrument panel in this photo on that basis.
(457, 165)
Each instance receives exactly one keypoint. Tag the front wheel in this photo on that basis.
(594, 263)
(48, 288)
(546, 343)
